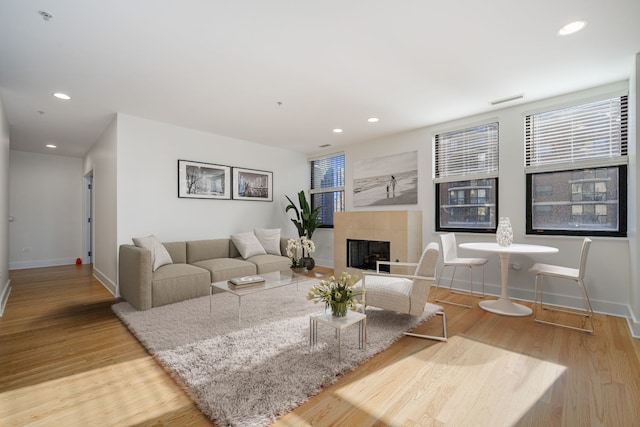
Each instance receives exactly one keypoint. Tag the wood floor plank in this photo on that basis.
(66, 359)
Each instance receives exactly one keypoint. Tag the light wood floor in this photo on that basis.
(65, 359)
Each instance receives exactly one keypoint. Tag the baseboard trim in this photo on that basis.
(21, 265)
(575, 302)
(104, 281)
(5, 297)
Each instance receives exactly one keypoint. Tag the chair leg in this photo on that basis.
(444, 337)
(585, 297)
(435, 297)
(470, 286)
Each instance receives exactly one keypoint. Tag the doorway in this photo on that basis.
(88, 224)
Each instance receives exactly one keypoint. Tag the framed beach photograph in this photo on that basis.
(388, 180)
(251, 184)
(197, 180)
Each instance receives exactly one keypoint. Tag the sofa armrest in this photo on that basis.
(135, 275)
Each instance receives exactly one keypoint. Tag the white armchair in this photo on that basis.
(406, 293)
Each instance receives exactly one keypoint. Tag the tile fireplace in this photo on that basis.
(402, 230)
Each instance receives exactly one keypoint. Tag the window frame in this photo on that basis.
(568, 117)
(326, 190)
(466, 175)
(479, 230)
(622, 209)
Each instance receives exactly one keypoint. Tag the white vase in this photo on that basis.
(504, 232)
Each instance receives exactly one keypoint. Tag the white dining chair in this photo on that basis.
(572, 275)
(450, 259)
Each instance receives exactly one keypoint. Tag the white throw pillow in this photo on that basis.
(247, 244)
(269, 238)
(159, 254)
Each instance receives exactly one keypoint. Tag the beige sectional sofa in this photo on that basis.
(195, 264)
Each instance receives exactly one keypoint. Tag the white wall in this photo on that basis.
(101, 162)
(5, 287)
(135, 174)
(45, 199)
(609, 282)
(634, 200)
(148, 203)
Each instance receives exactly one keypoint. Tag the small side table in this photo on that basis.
(338, 323)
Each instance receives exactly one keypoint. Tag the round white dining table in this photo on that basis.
(504, 305)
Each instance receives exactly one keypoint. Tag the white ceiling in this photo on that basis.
(223, 66)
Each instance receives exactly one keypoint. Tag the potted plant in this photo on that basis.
(295, 250)
(306, 222)
(339, 294)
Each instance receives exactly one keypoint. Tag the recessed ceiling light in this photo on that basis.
(61, 95)
(572, 27)
(51, 146)
(337, 131)
(373, 119)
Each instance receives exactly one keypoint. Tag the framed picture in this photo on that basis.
(197, 180)
(388, 180)
(250, 184)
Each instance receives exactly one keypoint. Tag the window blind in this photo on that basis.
(470, 153)
(593, 134)
(327, 174)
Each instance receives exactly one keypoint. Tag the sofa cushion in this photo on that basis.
(199, 250)
(268, 263)
(178, 282)
(178, 251)
(226, 268)
(269, 239)
(247, 244)
(159, 254)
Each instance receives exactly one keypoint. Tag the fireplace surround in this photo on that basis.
(402, 229)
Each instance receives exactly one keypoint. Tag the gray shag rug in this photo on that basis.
(250, 373)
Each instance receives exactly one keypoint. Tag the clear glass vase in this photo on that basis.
(338, 309)
(504, 232)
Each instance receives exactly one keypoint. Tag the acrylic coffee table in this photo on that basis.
(338, 323)
(272, 280)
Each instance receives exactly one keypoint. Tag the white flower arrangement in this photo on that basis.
(298, 249)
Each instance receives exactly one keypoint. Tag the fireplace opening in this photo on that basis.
(363, 254)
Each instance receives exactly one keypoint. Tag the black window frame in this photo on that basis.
(443, 174)
(479, 230)
(321, 190)
(563, 130)
(622, 208)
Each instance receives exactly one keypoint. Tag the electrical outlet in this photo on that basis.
(26, 250)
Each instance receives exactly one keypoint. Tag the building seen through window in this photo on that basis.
(579, 199)
(468, 204)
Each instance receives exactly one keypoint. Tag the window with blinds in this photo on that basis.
(466, 177)
(575, 160)
(327, 187)
(585, 135)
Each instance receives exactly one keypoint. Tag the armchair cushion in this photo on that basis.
(391, 293)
